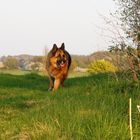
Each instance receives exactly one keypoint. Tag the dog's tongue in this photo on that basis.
(62, 64)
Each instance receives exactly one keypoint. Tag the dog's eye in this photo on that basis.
(63, 55)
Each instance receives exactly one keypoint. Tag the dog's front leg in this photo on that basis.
(51, 83)
(56, 84)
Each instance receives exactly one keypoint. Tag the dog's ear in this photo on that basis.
(62, 46)
(54, 49)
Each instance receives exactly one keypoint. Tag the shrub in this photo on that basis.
(11, 63)
(101, 66)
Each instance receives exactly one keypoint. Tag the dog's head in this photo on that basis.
(58, 56)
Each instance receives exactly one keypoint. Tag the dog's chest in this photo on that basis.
(59, 73)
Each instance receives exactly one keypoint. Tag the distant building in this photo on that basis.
(34, 66)
(79, 69)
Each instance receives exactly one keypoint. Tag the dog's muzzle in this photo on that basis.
(61, 63)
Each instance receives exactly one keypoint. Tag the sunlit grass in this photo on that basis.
(43, 73)
(13, 72)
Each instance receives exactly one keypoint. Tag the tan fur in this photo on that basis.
(57, 73)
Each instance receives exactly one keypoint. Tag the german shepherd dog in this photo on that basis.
(57, 66)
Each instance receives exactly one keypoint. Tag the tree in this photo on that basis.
(129, 15)
(11, 63)
(35, 67)
(37, 59)
(74, 64)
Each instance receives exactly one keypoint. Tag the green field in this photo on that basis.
(13, 72)
(22, 72)
(87, 108)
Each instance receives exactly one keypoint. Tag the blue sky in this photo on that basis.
(27, 26)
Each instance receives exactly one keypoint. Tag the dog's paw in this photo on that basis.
(50, 89)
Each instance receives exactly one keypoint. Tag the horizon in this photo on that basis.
(27, 27)
(45, 55)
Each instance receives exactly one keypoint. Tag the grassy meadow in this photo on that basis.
(87, 108)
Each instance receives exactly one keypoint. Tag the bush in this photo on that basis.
(101, 66)
(11, 63)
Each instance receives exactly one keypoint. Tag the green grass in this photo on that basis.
(13, 72)
(77, 74)
(88, 108)
(23, 72)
